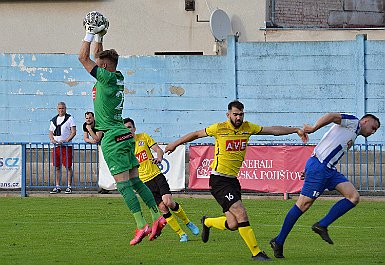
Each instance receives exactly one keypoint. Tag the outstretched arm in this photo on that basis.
(92, 28)
(84, 56)
(283, 130)
(187, 138)
(98, 47)
(323, 121)
(159, 154)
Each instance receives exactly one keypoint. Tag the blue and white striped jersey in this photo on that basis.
(337, 140)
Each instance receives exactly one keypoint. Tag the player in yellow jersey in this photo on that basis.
(231, 138)
(151, 175)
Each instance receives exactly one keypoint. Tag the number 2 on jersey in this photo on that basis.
(120, 105)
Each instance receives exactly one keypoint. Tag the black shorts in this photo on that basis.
(225, 190)
(159, 187)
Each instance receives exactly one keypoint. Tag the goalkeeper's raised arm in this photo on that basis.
(96, 26)
(118, 141)
(98, 40)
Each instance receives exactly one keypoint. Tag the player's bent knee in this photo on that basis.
(169, 203)
(163, 208)
(232, 226)
(355, 198)
(304, 205)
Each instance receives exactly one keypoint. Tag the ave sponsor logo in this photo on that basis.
(236, 145)
(142, 156)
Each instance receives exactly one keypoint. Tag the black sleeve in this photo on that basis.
(94, 70)
(84, 128)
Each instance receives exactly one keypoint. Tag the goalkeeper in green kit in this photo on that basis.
(118, 144)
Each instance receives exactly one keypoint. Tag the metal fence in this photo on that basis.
(40, 164)
(364, 167)
(362, 164)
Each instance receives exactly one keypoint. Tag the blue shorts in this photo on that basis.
(319, 177)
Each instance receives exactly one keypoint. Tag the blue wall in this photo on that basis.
(280, 84)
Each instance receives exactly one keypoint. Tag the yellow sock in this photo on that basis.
(173, 223)
(217, 222)
(181, 214)
(248, 236)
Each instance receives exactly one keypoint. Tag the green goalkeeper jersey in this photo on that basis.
(108, 97)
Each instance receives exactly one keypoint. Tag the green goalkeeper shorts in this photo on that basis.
(118, 146)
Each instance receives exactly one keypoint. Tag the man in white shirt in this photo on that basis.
(321, 173)
(62, 130)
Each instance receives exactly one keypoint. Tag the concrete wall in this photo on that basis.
(304, 13)
(144, 27)
(328, 14)
(136, 27)
(281, 83)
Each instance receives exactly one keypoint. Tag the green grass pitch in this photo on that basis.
(97, 230)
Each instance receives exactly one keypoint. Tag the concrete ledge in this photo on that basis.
(351, 18)
(365, 196)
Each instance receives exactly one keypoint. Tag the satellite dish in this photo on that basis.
(220, 25)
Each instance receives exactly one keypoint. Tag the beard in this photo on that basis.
(236, 124)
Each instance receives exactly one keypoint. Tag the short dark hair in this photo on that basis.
(88, 113)
(125, 120)
(110, 55)
(237, 104)
(373, 117)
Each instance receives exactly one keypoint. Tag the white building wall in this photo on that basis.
(144, 27)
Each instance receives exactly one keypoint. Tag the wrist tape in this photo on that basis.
(89, 37)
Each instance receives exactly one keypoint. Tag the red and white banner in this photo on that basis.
(275, 169)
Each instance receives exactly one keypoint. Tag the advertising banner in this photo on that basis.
(10, 166)
(275, 169)
(172, 166)
(106, 180)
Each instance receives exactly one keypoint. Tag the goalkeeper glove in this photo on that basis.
(99, 36)
(91, 31)
(94, 22)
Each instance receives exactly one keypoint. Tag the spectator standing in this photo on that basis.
(89, 130)
(62, 130)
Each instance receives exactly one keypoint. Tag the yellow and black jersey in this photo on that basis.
(147, 170)
(230, 145)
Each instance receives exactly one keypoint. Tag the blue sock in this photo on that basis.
(290, 219)
(337, 210)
